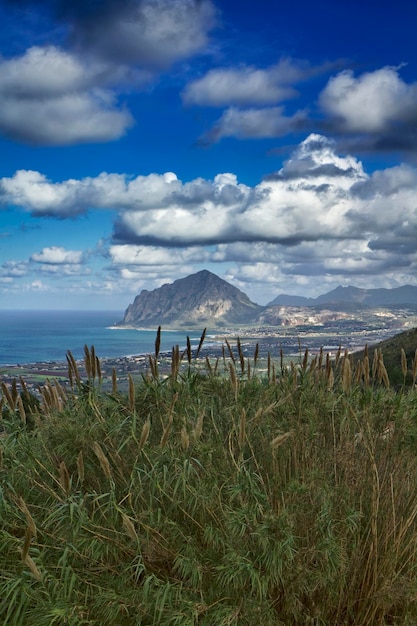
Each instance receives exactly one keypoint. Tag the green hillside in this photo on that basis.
(391, 350)
(208, 495)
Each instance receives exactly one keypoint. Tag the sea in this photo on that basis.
(46, 336)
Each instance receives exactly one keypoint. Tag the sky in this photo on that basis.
(272, 143)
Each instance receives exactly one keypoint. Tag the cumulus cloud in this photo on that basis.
(320, 214)
(280, 209)
(48, 96)
(10, 270)
(371, 102)
(34, 192)
(246, 85)
(145, 256)
(52, 96)
(57, 255)
(151, 33)
(255, 124)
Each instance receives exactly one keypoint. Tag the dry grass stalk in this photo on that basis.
(114, 381)
(103, 460)
(25, 390)
(404, 366)
(200, 345)
(129, 527)
(242, 429)
(154, 367)
(358, 373)
(281, 359)
(26, 543)
(232, 356)
(320, 361)
(131, 392)
(241, 355)
(29, 519)
(234, 380)
(175, 362)
(366, 372)
(305, 360)
(274, 374)
(21, 409)
(249, 370)
(146, 429)
(415, 367)
(8, 396)
(328, 365)
(80, 466)
(330, 378)
(93, 362)
(198, 428)
(346, 374)
(98, 368)
(166, 431)
(280, 439)
(73, 372)
(64, 478)
(313, 365)
(189, 351)
(185, 438)
(157, 343)
(375, 363)
(384, 373)
(263, 411)
(256, 354)
(338, 355)
(36, 573)
(61, 392)
(269, 366)
(209, 367)
(87, 361)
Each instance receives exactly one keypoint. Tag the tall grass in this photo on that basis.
(209, 497)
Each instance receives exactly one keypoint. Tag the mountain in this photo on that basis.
(353, 296)
(201, 299)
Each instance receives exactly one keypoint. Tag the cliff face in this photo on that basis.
(202, 299)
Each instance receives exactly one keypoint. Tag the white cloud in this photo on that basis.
(369, 103)
(47, 72)
(255, 124)
(145, 256)
(57, 255)
(48, 96)
(320, 215)
(151, 33)
(248, 85)
(10, 270)
(241, 86)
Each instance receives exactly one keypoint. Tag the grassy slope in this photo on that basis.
(391, 349)
(206, 499)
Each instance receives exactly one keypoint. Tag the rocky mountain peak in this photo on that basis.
(201, 299)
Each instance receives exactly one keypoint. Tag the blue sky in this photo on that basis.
(272, 143)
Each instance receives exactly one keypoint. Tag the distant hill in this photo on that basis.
(353, 296)
(201, 299)
(391, 352)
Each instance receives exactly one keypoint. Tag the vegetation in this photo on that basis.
(211, 496)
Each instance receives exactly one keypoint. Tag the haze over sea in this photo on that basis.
(33, 336)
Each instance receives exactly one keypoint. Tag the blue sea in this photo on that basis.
(33, 336)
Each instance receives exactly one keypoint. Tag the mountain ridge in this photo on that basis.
(205, 299)
(406, 294)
